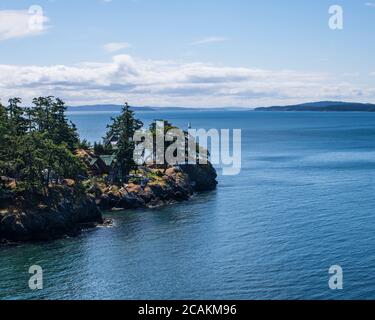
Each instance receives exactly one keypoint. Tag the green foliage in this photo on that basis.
(37, 144)
(48, 116)
(153, 128)
(122, 130)
(101, 149)
(189, 152)
(84, 144)
(3, 132)
(17, 124)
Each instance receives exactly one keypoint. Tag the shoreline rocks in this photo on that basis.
(172, 187)
(64, 213)
(202, 177)
(67, 218)
(175, 185)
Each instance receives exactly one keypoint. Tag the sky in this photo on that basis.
(192, 53)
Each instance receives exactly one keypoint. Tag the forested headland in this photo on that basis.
(53, 183)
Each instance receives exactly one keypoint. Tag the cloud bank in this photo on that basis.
(171, 83)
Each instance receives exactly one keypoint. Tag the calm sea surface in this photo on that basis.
(303, 202)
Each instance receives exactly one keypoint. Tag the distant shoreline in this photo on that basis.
(321, 106)
(117, 108)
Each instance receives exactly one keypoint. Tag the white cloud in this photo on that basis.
(170, 83)
(116, 46)
(370, 4)
(18, 23)
(209, 40)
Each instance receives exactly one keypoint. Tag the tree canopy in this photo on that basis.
(37, 144)
(122, 130)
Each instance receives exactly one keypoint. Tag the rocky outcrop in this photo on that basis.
(173, 185)
(170, 187)
(66, 217)
(63, 212)
(202, 177)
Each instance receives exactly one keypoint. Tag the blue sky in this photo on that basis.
(188, 52)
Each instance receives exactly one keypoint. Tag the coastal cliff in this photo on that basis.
(157, 187)
(36, 217)
(54, 184)
(66, 211)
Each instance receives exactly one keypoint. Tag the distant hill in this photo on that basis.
(106, 107)
(324, 106)
(114, 108)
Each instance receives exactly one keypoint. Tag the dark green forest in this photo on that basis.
(38, 145)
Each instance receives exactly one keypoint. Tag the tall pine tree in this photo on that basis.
(122, 130)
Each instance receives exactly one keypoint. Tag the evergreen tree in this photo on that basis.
(101, 149)
(15, 128)
(122, 130)
(85, 144)
(49, 117)
(39, 161)
(3, 137)
(154, 131)
(29, 163)
(37, 144)
(17, 121)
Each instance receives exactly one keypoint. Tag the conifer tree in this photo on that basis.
(122, 130)
(37, 144)
(3, 138)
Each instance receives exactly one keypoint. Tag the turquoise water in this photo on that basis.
(303, 202)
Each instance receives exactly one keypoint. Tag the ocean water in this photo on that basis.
(303, 202)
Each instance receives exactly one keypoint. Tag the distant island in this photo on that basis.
(118, 108)
(324, 106)
(321, 106)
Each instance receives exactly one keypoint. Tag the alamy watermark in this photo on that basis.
(177, 147)
(336, 20)
(36, 18)
(36, 280)
(336, 280)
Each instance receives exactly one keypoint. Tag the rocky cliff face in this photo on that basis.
(174, 185)
(66, 216)
(169, 187)
(202, 177)
(65, 213)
